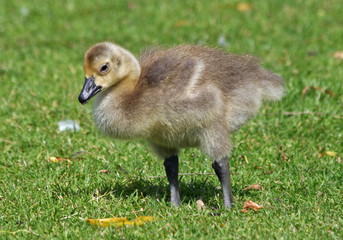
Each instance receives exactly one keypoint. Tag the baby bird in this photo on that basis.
(186, 96)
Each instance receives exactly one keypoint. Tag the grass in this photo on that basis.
(42, 45)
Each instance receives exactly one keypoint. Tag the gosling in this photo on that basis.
(186, 96)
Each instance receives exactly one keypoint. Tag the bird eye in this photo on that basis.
(103, 68)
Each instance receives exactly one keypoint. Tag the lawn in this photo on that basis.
(293, 148)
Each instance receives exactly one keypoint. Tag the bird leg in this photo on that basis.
(171, 165)
(222, 169)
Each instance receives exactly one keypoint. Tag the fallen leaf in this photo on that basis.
(338, 55)
(143, 219)
(254, 187)
(119, 222)
(251, 205)
(200, 205)
(244, 210)
(243, 6)
(58, 159)
(106, 222)
(328, 153)
(104, 171)
(331, 153)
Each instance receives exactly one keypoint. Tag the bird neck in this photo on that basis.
(133, 70)
(129, 82)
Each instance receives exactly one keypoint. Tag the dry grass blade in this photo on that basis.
(312, 113)
(307, 88)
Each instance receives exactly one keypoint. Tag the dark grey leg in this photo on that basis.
(171, 165)
(222, 169)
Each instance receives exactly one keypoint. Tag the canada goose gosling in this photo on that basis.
(187, 96)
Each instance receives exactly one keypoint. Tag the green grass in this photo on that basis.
(41, 47)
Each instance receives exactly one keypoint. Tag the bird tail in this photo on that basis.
(273, 86)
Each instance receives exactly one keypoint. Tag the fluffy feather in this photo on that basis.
(187, 96)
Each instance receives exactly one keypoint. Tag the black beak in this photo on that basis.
(89, 90)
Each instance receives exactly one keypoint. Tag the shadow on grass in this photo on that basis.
(190, 191)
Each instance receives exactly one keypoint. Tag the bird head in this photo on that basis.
(105, 65)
